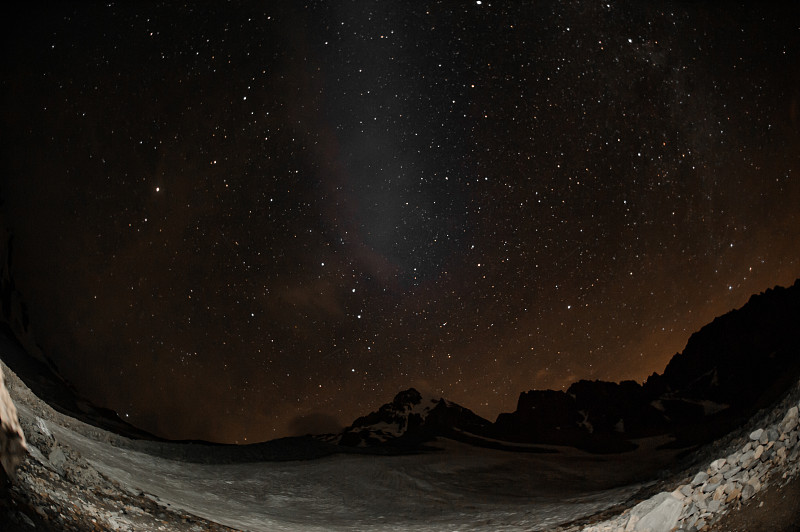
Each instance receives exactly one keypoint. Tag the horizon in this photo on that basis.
(426, 395)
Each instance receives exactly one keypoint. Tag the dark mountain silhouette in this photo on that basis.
(741, 362)
(411, 419)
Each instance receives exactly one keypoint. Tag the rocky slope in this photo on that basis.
(763, 454)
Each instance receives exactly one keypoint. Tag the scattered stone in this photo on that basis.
(756, 434)
(731, 472)
(713, 506)
(733, 496)
(746, 456)
(686, 490)
(750, 489)
(699, 478)
(716, 465)
(759, 452)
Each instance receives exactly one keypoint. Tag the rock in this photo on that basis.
(756, 434)
(699, 478)
(716, 465)
(713, 506)
(759, 452)
(733, 496)
(702, 506)
(767, 454)
(731, 472)
(699, 524)
(711, 486)
(57, 459)
(657, 514)
(791, 414)
(750, 489)
(12, 439)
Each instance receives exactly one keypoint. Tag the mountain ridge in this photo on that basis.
(733, 366)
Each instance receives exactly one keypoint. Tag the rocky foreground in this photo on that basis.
(55, 488)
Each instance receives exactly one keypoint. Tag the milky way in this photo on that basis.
(236, 223)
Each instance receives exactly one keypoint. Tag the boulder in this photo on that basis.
(660, 513)
(12, 440)
(699, 478)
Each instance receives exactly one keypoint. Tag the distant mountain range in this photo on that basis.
(732, 367)
(737, 364)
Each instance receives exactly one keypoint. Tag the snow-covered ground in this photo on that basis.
(459, 488)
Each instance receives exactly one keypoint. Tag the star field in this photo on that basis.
(239, 222)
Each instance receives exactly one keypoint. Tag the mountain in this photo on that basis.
(409, 420)
(739, 363)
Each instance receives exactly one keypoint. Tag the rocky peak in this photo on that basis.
(740, 362)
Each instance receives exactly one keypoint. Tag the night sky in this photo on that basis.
(239, 221)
